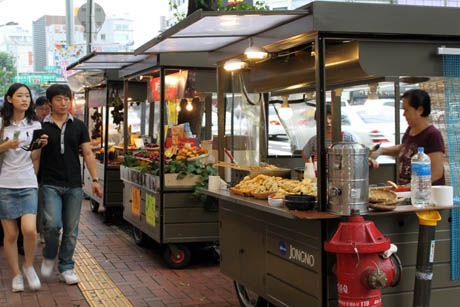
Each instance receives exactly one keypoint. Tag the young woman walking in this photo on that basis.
(18, 182)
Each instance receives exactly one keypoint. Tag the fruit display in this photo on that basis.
(147, 155)
(263, 186)
(190, 152)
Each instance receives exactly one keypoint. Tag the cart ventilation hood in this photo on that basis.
(85, 78)
(346, 64)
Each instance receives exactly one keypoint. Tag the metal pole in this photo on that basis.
(336, 115)
(221, 116)
(89, 25)
(208, 119)
(397, 89)
(232, 117)
(125, 117)
(106, 139)
(69, 21)
(320, 86)
(162, 131)
(320, 78)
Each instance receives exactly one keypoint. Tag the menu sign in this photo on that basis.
(174, 86)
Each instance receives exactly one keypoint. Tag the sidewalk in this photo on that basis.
(115, 271)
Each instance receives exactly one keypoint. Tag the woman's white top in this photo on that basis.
(17, 171)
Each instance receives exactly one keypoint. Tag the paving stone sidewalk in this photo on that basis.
(139, 273)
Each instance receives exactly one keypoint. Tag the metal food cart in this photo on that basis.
(326, 46)
(160, 206)
(97, 74)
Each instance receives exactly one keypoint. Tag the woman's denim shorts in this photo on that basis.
(17, 202)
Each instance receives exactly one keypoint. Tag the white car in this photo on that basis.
(275, 128)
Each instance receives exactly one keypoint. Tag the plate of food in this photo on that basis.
(383, 199)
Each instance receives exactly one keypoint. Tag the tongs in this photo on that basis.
(230, 156)
(398, 188)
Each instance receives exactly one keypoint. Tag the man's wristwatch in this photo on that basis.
(95, 179)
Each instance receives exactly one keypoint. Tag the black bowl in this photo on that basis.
(299, 205)
(300, 198)
(299, 202)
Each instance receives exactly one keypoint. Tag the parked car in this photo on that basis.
(275, 128)
(369, 125)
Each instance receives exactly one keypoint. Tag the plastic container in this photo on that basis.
(421, 179)
(275, 202)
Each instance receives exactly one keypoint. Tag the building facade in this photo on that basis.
(116, 35)
(17, 41)
(50, 50)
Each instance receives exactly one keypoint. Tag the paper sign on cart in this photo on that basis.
(150, 209)
(136, 201)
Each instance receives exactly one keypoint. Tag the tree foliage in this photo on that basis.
(215, 5)
(7, 71)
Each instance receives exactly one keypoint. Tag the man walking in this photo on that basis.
(60, 182)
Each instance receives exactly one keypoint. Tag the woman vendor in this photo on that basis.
(420, 133)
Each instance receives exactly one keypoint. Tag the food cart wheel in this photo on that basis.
(94, 205)
(177, 256)
(140, 238)
(248, 298)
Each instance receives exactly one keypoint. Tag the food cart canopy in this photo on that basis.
(208, 31)
(226, 34)
(106, 60)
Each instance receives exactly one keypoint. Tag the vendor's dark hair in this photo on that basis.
(418, 98)
(41, 101)
(7, 111)
(328, 111)
(58, 89)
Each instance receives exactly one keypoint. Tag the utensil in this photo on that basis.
(229, 155)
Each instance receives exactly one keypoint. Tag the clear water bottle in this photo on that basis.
(421, 179)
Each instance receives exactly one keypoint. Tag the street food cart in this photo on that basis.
(276, 255)
(159, 179)
(97, 75)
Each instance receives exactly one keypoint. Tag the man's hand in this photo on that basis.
(43, 140)
(97, 190)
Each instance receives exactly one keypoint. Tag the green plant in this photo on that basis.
(208, 170)
(129, 160)
(259, 5)
(178, 16)
(7, 71)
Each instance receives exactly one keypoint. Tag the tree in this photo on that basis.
(7, 71)
(205, 5)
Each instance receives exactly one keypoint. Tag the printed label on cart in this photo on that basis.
(432, 246)
(135, 201)
(283, 248)
(301, 256)
(296, 254)
(150, 209)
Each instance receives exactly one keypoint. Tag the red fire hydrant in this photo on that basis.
(366, 263)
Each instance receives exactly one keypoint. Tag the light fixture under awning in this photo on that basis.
(209, 31)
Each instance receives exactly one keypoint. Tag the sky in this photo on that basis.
(145, 13)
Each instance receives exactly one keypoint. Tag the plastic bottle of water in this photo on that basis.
(421, 179)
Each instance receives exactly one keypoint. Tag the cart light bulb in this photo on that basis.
(255, 53)
(189, 106)
(234, 65)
